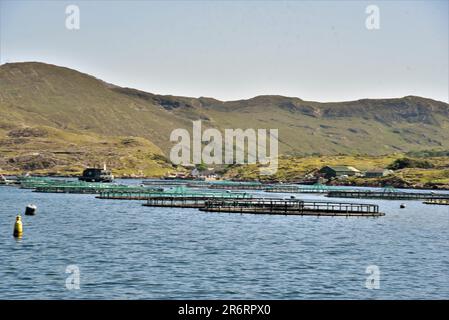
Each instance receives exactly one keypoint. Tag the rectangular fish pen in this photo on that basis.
(315, 188)
(195, 200)
(234, 185)
(90, 188)
(34, 182)
(392, 195)
(162, 182)
(292, 207)
(128, 194)
(176, 193)
(293, 189)
(436, 201)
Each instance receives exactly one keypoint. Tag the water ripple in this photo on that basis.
(126, 251)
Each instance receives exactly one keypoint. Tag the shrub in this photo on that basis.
(409, 163)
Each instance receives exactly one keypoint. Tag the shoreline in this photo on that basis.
(376, 183)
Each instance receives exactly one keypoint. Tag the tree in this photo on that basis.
(409, 163)
(201, 167)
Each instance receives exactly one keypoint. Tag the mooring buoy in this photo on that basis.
(18, 227)
(30, 210)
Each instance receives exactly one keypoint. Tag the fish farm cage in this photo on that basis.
(176, 193)
(47, 185)
(292, 207)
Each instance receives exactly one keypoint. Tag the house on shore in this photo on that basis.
(378, 173)
(176, 176)
(206, 174)
(329, 172)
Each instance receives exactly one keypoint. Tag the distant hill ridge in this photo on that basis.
(39, 94)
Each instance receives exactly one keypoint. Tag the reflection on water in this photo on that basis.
(124, 250)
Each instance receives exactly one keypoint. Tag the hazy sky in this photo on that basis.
(231, 50)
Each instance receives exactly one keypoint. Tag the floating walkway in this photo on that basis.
(245, 185)
(177, 195)
(241, 185)
(234, 185)
(34, 182)
(292, 207)
(436, 201)
(315, 188)
(47, 185)
(213, 184)
(90, 188)
(387, 195)
(126, 195)
(192, 200)
(168, 182)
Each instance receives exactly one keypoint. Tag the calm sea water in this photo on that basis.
(126, 251)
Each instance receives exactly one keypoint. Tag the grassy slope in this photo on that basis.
(294, 168)
(39, 94)
(349, 134)
(59, 152)
(291, 168)
(88, 119)
(36, 93)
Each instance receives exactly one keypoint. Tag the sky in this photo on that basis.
(230, 50)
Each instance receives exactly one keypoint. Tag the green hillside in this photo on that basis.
(80, 113)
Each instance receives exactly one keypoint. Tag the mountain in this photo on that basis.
(78, 112)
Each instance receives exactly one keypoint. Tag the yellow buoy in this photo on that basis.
(18, 228)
